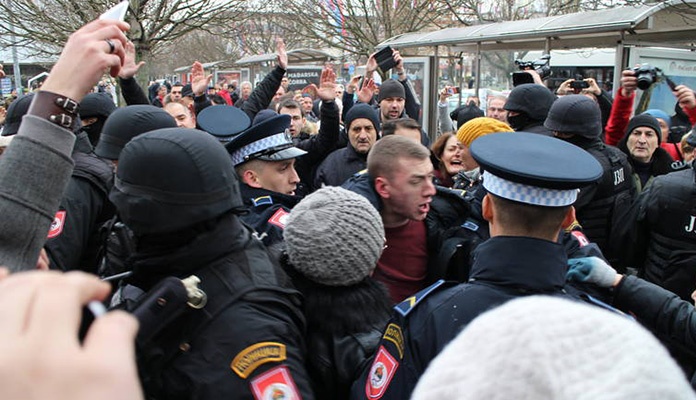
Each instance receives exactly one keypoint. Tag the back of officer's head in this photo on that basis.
(173, 178)
(575, 114)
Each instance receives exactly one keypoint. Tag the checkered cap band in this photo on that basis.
(254, 147)
(528, 194)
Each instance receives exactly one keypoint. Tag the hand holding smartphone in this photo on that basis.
(385, 59)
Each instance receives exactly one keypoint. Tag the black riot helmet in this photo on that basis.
(169, 179)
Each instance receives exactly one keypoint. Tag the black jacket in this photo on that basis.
(248, 336)
(599, 207)
(267, 212)
(338, 166)
(73, 241)
(344, 326)
(317, 146)
(505, 268)
(659, 229)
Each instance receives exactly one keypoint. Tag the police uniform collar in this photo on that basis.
(528, 264)
(258, 197)
(534, 169)
(269, 140)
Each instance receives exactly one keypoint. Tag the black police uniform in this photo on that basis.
(599, 206)
(267, 212)
(504, 268)
(267, 141)
(659, 232)
(73, 240)
(245, 341)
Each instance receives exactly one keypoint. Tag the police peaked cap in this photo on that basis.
(268, 141)
(172, 178)
(128, 122)
(534, 169)
(223, 121)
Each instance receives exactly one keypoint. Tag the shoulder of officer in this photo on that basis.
(409, 304)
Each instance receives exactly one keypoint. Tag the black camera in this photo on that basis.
(646, 74)
(579, 84)
(540, 65)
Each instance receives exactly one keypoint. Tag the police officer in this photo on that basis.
(246, 340)
(527, 107)
(577, 119)
(657, 234)
(264, 158)
(532, 182)
(95, 108)
(115, 239)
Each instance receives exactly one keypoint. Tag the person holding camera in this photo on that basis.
(640, 137)
(589, 88)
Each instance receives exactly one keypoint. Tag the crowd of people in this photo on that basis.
(257, 243)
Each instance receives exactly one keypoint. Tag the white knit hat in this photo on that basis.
(334, 237)
(541, 347)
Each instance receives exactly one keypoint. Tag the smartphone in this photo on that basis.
(117, 12)
(453, 90)
(385, 59)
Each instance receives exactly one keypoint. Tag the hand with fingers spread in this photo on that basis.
(282, 55)
(199, 81)
(129, 68)
(367, 91)
(34, 366)
(327, 86)
(92, 49)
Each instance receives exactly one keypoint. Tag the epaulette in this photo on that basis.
(679, 165)
(361, 172)
(406, 306)
(262, 201)
(471, 225)
(595, 302)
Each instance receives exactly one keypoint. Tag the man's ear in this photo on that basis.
(569, 218)
(382, 187)
(250, 177)
(487, 208)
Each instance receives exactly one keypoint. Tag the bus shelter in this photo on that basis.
(667, 24)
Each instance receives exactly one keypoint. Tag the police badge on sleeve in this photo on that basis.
(57, 225)
(275, 384)
(381, 373)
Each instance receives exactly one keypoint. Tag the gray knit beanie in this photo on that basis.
(334, 237)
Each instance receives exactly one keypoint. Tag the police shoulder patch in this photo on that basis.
(275, 384)
(393, 334)
(381, 373)
(410, 303)
(279, 218)
(255, 355)
(581, 238)
(57, 224)
(262, 201)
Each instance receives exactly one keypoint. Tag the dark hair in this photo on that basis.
(290, 104)
(217, 99)
(390, 127)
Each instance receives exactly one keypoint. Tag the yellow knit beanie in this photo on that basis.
(478, 127)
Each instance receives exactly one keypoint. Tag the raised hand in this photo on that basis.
(129, 67)
(89, 51)
(199, 81)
